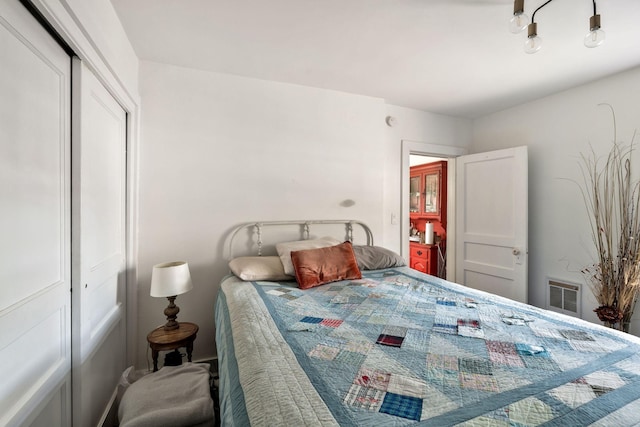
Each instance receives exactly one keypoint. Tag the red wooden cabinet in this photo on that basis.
(424, 258)
(428, 192)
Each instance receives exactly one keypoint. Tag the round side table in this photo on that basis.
(161, 340)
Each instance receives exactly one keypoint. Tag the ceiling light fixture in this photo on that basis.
(595, 36)
(520, 19)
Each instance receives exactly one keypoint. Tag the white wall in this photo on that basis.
(101, 21)
(218, 150)
(93, 30)
(557, 129)
(417, 126)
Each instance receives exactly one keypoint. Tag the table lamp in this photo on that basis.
(169, 280)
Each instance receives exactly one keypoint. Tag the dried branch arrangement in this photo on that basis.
(612, 199)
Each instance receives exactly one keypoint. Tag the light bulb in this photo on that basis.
(532, 44)
(518, 22)
(595, 37)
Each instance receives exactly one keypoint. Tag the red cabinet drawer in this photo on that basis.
(423, 258)
(419, 252)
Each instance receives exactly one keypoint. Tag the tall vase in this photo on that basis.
(623, 325)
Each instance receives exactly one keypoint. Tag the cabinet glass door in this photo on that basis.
(431, 186)
(414, 194)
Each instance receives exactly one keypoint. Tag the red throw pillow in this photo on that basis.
(315, 267)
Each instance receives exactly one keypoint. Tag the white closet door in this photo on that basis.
(492, 221)
(35, 355)
(99, 203)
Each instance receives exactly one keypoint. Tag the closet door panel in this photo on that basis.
(99, 208)
(35, 89)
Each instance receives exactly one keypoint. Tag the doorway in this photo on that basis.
(428, 214)
(441, 152)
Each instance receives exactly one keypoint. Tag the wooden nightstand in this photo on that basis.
(161, 340)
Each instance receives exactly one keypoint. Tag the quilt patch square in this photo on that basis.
(472, 323)
(475, 366)
(445, 325)
(604, 380)
(340, 299)
(501, 347)
(309, 319)
(573, 394)
(530, 412)
(406, 386)
(541, 363)
(402, 406)
(364, 397)
(443, 380)
(378, 319)
(331, 323)
(362, 347)
(373, 379)
(324, 352)
(478, 382)
(347, 299)
(442, 361)
(588, 346)
(446, 301)
(506, 359)
(417, 339)
(390, 340)
(571, 334)
(470, 332)
(350, 358)
(544, 331)
(470, 328)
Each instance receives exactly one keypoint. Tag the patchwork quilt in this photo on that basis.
(402, 348)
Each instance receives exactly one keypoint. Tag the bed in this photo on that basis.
(398, 347)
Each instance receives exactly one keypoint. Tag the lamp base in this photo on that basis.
(171, 312)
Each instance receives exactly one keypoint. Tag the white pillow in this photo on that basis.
(285, 249)
(258, 268)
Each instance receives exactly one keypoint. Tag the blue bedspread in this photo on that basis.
(402, 348)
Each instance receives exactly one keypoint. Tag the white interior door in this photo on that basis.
(99, 206)
(491, 222)
(35, 247)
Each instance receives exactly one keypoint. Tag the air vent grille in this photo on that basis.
(564, 297)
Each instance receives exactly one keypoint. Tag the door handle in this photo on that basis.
(518, 254)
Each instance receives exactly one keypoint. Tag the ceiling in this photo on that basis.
(452, 57)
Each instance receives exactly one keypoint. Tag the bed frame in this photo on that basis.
(251, 235)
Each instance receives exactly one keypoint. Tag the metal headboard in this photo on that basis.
(256, 229)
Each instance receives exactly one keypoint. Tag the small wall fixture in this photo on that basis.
(517, 23)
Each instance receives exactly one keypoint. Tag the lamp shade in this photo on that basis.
(170, 279)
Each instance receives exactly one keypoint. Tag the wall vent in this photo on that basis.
(564, 297)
